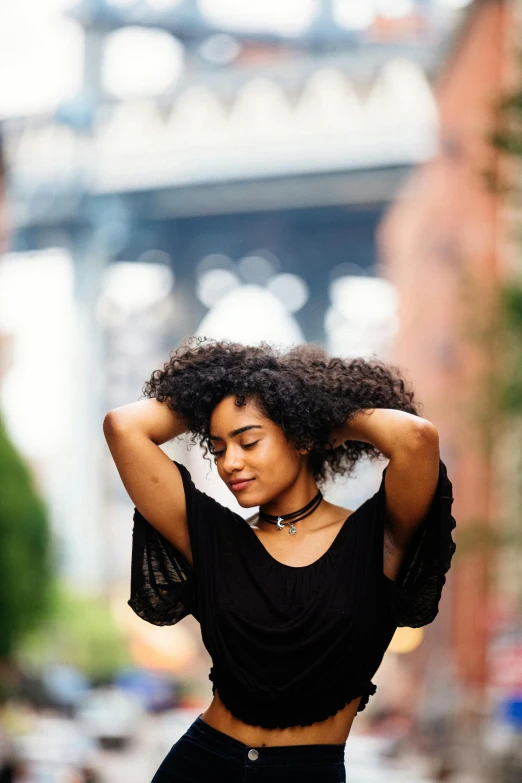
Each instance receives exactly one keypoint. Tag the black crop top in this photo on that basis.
(291, 645)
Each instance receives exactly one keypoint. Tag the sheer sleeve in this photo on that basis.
(164, 585)
(161, 578)
(415, 594)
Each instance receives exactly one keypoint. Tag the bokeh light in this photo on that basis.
(220, 49)
(250, 314)
(454, 5)
(140, 62)
(41, 60)
(363, 317)
(291, 290)
(37, 288)
(395, 9)
(258, 267)
(214, 284)
(132, 286)
(122, 3)
(363, 298)
(291, 17)
(215, 261)
(354, 16)
(164, 5)
(406, 640)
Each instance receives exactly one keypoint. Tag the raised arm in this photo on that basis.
(134, 433)
(412, 445)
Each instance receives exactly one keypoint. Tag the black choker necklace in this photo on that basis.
(279, 521)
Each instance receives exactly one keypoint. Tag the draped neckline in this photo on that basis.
(331, 548)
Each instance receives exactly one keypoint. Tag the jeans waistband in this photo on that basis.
(323, 754)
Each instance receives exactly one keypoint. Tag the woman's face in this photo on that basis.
(248, 445)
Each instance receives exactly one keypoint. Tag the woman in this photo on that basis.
(297, 604)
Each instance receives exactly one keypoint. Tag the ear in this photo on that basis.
(305, 449)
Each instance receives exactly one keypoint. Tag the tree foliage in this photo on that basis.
(81, 632)
(25, 549)
(506, 139)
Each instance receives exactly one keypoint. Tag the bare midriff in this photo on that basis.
(333, 730)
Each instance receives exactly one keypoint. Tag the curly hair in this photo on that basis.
(302, 390)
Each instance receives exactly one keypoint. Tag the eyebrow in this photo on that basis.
(238, 431)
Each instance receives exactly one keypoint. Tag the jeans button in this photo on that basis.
(253, 754)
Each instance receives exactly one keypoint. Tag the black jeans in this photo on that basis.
(205, 754)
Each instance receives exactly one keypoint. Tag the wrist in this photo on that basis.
(353, 428)
(386, 429)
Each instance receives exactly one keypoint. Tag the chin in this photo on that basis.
(246, 503)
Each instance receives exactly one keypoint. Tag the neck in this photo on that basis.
(291, 499)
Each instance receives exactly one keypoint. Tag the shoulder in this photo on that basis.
(201, 504)
(339, 512)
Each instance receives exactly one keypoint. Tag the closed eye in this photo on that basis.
(244, 445)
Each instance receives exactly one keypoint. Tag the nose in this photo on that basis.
(233, 460)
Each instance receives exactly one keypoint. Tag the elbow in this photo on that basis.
(424, 437)
(108, 424)
(112, 424)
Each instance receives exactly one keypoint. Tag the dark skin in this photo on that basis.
(412, 447)
(153, 482)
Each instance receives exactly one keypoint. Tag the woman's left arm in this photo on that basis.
(411, 443)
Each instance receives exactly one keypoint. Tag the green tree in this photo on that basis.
(25, 550)
(43, 619)
(81, 632)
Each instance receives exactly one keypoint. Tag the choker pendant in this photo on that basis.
(280, 525)
(280, 521)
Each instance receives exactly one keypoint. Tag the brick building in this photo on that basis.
(443, 244)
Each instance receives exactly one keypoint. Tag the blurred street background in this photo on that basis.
(345, 172)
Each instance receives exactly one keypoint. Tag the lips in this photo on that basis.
(237, 485)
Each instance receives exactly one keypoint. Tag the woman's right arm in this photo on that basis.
(134, 433)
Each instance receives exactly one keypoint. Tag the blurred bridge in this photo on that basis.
(283, 145)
